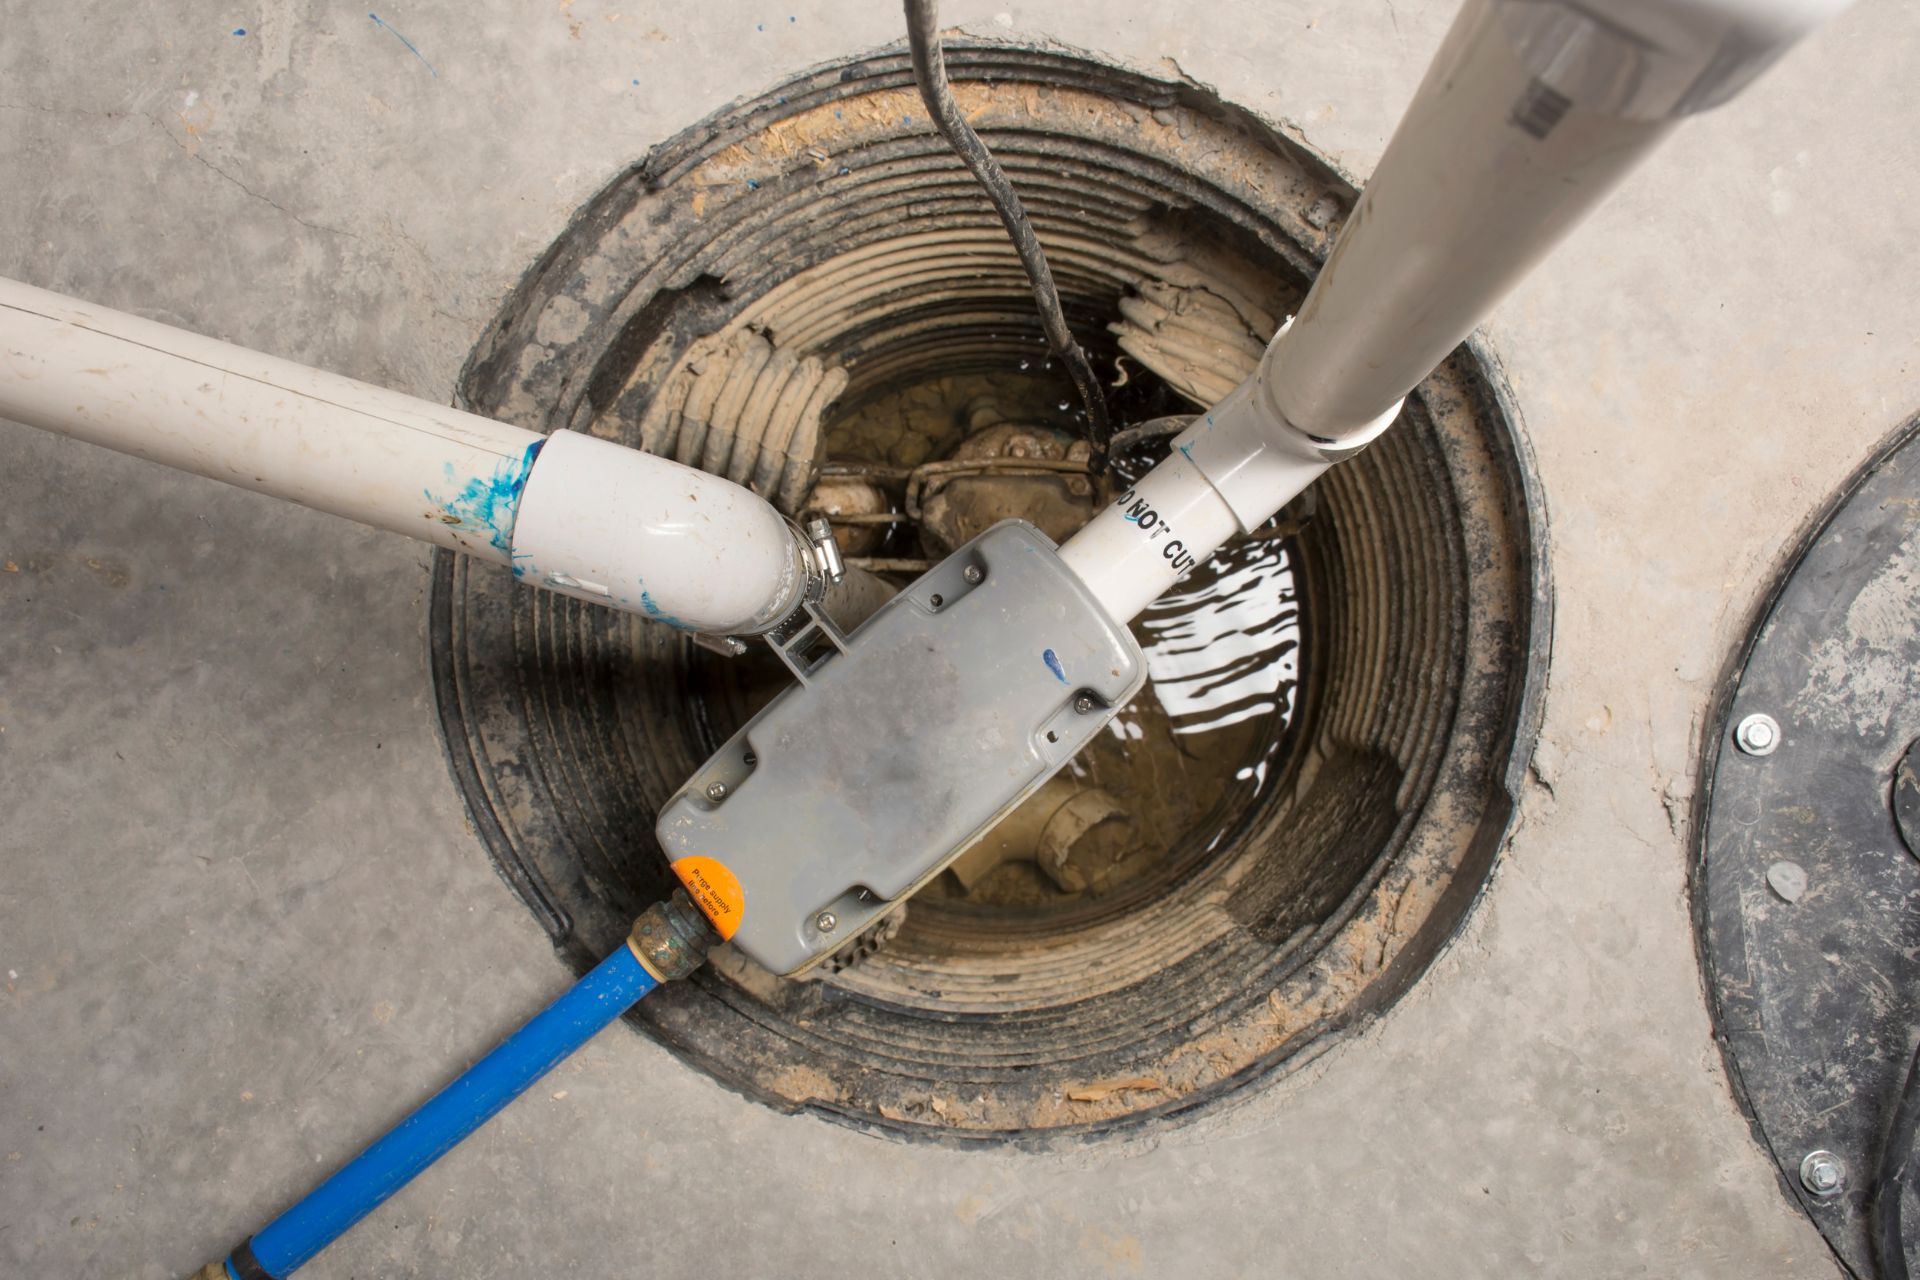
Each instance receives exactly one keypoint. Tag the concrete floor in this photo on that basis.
(242, 920)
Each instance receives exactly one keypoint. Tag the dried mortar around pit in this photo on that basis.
(1298, 852)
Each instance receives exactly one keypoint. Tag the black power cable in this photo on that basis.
(930, 73)
(1889, 1243)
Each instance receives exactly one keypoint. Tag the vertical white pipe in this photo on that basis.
(1530, 114)
(1532, 111)
(1489, 169)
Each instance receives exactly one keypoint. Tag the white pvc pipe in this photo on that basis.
(1530, 114)
(1138, 546)
(1656, 58)
(262, 423)
(1532, 111)
(570, 512)
(693, 550)
(1487, 172)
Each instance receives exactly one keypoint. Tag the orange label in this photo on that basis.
(715, 890)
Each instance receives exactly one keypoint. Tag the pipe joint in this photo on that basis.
(1255, 456)
(620, 527)
(672, 938)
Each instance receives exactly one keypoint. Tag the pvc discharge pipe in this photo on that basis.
(1531, 112)
(569, 512)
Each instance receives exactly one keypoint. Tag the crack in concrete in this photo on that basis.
(159, 124)
(54, 111)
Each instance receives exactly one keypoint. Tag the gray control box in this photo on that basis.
(900, 745)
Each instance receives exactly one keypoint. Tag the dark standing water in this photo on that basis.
(1193, 750)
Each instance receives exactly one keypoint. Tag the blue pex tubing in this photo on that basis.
(437, 1126)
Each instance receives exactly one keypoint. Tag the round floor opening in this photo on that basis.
(1274, 840)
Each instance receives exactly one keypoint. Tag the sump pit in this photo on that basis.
(1391, 634)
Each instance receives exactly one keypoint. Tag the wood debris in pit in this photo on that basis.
(1105, 1089)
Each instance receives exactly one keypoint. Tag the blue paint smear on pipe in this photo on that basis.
(658, 614)
(491, 504)
(1053, 664)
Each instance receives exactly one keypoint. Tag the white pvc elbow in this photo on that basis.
(616, 526)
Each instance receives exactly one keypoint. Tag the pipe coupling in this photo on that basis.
(671, 938)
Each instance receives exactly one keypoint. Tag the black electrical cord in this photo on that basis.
(1889, 1183)
(930, 73)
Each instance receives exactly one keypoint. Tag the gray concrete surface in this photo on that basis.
(242, 921)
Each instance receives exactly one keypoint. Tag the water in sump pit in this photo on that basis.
(1196, 748)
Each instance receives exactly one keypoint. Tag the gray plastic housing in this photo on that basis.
(903, 742)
